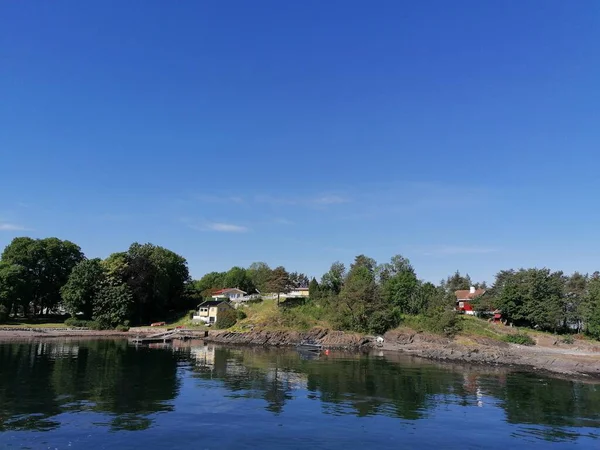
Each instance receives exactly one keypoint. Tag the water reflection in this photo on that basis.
(402, 387)
(39, 381)
(43, 383)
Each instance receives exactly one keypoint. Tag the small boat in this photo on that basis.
(309, 345)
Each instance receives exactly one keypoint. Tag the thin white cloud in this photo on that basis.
(221, 227)
(226, 227)
(5, 226)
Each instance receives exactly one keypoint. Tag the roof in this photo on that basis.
(226, 290)
(210, 303)
(466, 294)
(300, 289)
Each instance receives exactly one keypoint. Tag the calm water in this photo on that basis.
(106, 394)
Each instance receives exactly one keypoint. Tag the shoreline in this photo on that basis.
(581, 360)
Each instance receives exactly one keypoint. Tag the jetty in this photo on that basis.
(168, 336)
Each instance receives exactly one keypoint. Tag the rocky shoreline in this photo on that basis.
(580, 360)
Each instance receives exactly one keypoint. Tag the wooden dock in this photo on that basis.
(168, 336)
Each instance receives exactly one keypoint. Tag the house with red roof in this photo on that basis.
(231, 294)
(465, 297)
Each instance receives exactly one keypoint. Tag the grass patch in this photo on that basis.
(51, 322)
(473, 326)
(519, 338)
(266, 315)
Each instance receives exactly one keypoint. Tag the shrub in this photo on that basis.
(123, 328)
(241, 315)
(77, 323)
(383, 320)
(191, 313)
(568, 339)
(442, 321)
(226, 319)
(3, 314)
(519, 338)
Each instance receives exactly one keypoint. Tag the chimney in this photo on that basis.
(472, 290)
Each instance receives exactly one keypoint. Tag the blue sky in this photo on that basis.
(463, 135)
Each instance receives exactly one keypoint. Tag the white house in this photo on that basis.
(297, 293)
(228, 293)
(208, 312)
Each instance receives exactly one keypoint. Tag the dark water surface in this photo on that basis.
(107, 394)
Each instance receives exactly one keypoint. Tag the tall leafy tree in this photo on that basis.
(210, 282)
(314, 289)
(113, 304)
(81, 290)
(156, 278)
(279, 282)
(48, 263)
(237, 277)
(576, 304)
(359, 307)
(259, 273)
(364, 261)
(532, 297)
(592, 312)
(14, 287)
(457, 282)
(399, 284)
(333, 281)
(299, 280)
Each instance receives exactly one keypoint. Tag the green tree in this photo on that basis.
(592, 314)
(532, 297)
(314, 289)
(279, 282)
(576, 300)
(422, 297)
(226, 319)
(14, 287)
(209, 282)
(82, 287)
(457, 282)
(156, 278)
(113, 305)
(399, 284)
(364, 261)
(359, 306)
(237, 277)
(441, 316)
(298, 280)
(259, 273)
(333, 281)
(48, 263)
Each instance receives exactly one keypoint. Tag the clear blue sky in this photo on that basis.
(463, 135)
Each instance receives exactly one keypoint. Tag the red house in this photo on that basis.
(465, 297)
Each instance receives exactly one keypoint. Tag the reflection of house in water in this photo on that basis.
(57, 350)
(204, 355)
(229, 364)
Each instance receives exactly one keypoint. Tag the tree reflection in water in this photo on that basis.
(401, 387)
(40, 380)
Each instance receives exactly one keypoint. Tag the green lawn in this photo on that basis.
(51, 322)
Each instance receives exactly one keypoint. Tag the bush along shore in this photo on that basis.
(41, 279)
